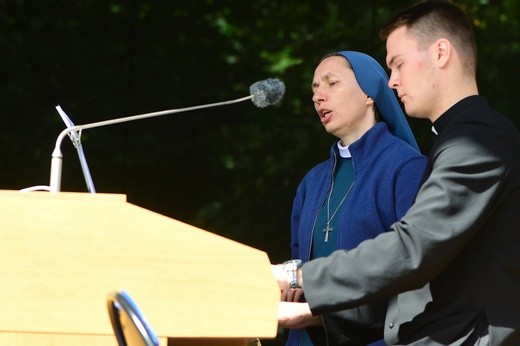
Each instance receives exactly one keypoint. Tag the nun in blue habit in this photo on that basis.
(368, 182)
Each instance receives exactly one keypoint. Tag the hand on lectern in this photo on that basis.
(288, 294)
(297, 315)
(292, 295)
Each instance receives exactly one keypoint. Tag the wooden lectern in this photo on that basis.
(62, 253)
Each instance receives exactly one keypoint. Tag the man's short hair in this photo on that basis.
(429, 20)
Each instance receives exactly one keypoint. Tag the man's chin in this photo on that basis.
(409, 111)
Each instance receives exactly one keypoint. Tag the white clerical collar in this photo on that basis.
(343, 151)
(434, 130)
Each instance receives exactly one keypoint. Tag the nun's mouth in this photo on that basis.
(325, 115)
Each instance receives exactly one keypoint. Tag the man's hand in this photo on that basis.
(296, 315)
(292, 295)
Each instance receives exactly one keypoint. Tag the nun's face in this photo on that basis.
(343, 108)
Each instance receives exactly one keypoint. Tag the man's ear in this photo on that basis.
(443, 50)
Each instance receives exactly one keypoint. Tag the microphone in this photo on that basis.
(263, 93)
(267, 92)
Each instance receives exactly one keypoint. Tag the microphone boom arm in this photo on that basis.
(57, 156)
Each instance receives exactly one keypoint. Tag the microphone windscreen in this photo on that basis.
(267, 92)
